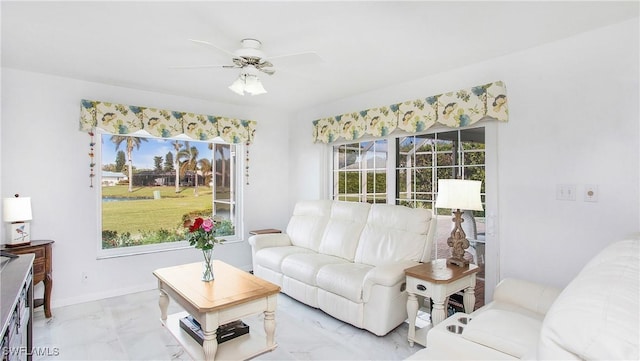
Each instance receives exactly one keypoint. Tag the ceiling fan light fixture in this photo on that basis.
(248, 83)
(253, 85)
(238, 85)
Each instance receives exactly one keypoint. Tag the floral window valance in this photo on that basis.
(128, 119)
(144, 121)
(454, 109)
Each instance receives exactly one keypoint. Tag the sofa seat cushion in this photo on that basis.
(304, 267)
(344, 279)
(272, 257)
(509, 332)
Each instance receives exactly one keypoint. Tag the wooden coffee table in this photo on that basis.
(232, 295)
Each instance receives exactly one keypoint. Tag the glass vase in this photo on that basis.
(207, 265)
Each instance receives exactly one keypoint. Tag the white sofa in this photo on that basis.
(596, 317)
(347, 258)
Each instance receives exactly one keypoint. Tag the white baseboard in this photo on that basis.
(88, 297)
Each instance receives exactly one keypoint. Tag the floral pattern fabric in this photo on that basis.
(380, 122)
(127, 119)
(454, 109)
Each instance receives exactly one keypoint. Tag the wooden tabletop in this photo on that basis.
(438, 271)
(33, 243)
(231, 286)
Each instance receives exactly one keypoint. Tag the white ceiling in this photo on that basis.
(363, 45)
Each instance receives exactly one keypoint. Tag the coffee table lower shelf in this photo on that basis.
(240, 348)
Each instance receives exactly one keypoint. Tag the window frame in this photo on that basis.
(459, 167)
(363, 194)
(237, 159)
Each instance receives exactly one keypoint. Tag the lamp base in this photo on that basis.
(460, 262)
(19, 234)
(458, 241)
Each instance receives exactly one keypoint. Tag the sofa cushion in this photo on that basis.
(508, 332)
(344, 279)
(596, 315)
(393, 233)
(305, 266)
(308, 222)
(272, 257)
(343, 229)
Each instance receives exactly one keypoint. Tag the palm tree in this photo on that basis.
(190, 155)
(205, 168)
(131, 143)
(176, 163)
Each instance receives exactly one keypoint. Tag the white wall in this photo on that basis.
(573, 119)
(45, 156)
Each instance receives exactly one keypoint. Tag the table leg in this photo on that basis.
(163, 302)
(210, 345)
(438, 310)
(270, 321)
(48, 285)
(412, 313)
(469, 298)
(210, 330)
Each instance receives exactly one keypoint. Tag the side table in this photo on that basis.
(265, 231)
(437, 280)
(41, 268)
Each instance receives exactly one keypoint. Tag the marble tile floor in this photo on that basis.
(128, 328)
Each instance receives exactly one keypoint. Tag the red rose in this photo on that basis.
(196, 224)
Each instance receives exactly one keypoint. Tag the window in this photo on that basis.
(360, 172)
(423, 159)
(150, 187)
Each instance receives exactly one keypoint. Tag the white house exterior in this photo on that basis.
(110, 179)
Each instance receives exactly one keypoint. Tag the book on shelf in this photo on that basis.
(225, 332)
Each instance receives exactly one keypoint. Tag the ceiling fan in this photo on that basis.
(251, 60)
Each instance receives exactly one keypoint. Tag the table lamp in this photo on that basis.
(17, 212)
(458, 195)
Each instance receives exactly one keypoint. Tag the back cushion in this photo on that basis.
(343, 230)
(393, 233)
(596, 315)
(308, 222)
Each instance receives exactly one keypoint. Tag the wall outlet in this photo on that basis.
(590, 193)
(85, 277)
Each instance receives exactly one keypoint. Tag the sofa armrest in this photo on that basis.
(260, 241)
(386, 275)
(529, 295)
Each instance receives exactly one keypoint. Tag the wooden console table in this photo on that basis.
(41, 268)
(437, 280)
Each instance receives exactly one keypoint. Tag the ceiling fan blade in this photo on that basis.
(267, 71)
(298, 59)
(213, 46)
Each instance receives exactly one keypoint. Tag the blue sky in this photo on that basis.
(143, 157)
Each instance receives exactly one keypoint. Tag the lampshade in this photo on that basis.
(17, 209)
(238, 85)
(253, 85)
(459, 194)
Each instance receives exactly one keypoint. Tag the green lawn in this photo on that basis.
(151, 214)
